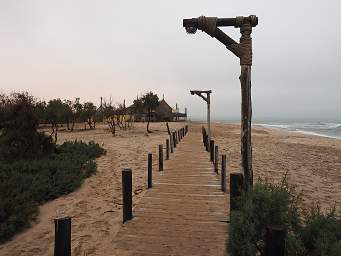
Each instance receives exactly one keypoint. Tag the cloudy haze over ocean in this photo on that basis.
(89, 49)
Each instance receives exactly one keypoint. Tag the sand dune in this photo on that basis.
(312, 163)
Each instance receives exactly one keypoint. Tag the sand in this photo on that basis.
(312, 163)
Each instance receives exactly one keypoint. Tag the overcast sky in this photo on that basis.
(118, 49)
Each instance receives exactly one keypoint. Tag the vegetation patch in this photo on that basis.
(309, 231)
(25, 184)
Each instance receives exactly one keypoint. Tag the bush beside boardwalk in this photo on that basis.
(27, 183)
(309, 232)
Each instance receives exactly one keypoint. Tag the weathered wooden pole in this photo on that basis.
(127, 190)
(150, 170)
(275, 241)
(62, 237)
(160, 158)
(211, 146)
(216, 159)
(236, 187)
(171, 144)
(223, 173)
(167, 149)
(243, 50)
(174, 139)
(207, 99)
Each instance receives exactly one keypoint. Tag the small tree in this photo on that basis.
(150, 102)
(89, 112)
(55, 116)
(109, 112)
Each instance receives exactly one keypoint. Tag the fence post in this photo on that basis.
(150, 170)
(62, 237)
(212, 150)
(171, 144)
(207, 146)
(174, 139)
(216, 159)
(127, 189)
(160, 158)
(236, 188)
(223, 173)
(275, 241)
(167, 149)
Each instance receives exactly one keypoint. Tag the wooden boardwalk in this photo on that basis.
(185, 213)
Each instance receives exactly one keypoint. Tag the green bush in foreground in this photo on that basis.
(27, 183)
(310, 232)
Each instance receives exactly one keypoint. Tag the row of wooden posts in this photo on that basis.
(171, 143)
(276, 235)
(62, 245)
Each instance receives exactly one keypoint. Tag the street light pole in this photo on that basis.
(208, 101)
(243, 50)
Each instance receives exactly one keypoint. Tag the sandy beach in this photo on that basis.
(312, 163)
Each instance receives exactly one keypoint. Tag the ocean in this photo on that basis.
(330, 130)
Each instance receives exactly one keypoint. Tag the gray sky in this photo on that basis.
(88, 49)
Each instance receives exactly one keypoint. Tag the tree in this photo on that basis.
(19, 135)
(89, 112)
(55, 116)
(150, 102)
(109, 112)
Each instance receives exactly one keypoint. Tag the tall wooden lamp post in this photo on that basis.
(243, 50)
(208, 101)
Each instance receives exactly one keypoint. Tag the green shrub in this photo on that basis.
(26, 184)
(309, 232)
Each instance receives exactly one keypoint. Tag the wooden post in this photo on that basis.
(171, 144)
(174, 139)
(246, 150)
(216, 159)
(62, 237)
(167, 149)
(207, 143)
(127, 190)
(223, 173)
(275, 241)
(212, 150)
(236, 187)
(150, 170)
(160, 158)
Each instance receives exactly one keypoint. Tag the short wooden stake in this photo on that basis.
(160, 158)
(275, 241)
(150, 170)
(212, 150)
(207, 143)
(127, 190)
(236, 187)
(223, 173)
(171, 144)
(167, 149)
(216, 159)
(174, 139)
(62, 237)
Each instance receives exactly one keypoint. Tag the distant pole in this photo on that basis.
(216, 159)
(171, 144)
(62, 237)
(208, 101)
(127, 190)
(150, 170)
(223, 173)
(211, 150)
(161, 158)
(167, 149)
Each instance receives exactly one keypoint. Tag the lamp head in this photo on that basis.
(191, 25)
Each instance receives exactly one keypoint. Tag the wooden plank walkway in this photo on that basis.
(185, 213)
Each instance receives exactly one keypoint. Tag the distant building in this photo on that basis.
(162, 113)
